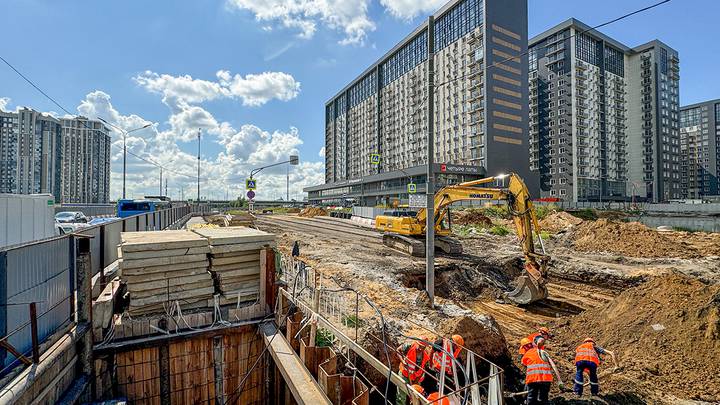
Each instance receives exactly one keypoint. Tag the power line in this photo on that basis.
(512, 58)
(61, 107)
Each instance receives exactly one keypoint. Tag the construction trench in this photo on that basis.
(323, 327)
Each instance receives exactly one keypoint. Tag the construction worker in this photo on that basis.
(433, 399)
(420, 390)
(445, 358)
(542, 331)
(587, 358)
(539, 374)
(525, 345)
(414, 357)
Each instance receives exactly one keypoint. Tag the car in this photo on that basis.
(71, 217)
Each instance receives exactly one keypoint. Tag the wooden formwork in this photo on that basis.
(197, 370)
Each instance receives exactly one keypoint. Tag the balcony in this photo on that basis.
(646, 73)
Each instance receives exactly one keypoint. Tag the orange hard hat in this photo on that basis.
(588, 340)
(545, 331)
(458, 340)
(433, 398)
(525, 341)
(419, 389)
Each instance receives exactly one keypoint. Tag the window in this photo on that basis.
(563, 192)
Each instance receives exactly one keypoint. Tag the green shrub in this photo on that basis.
(499, 230)
(544, 235)
(323, 338)
(542, 211)
(497, 211)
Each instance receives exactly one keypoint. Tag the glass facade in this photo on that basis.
(588, 49)
(405, 59)
(690, 117)
(614, 61)
(461, 19)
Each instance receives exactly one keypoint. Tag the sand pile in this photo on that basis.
(666, 333)
(631, 239)
(313, 212)
(471, 217)
(559, 222)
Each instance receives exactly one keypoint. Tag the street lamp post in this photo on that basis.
(125, 134)
(294, 161)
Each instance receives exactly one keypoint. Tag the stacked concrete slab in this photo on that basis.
(235, 261)
(165, 266)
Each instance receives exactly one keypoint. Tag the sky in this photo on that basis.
(254, 75)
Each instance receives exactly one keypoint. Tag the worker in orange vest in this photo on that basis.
(433, 399)
(587, 358)
(539, 374)
(414, 357)
(442, 359)
(525, 346)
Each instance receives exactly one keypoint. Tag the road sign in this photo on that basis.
(251, 194)
(250, 184)
(375, 158)
(412, 188)
(443, 168)
(418, 201)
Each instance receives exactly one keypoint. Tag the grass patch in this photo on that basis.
(544, 235)
(497, 211)
(587, 214)
(499, 230)
(682, 229)
(542, 211)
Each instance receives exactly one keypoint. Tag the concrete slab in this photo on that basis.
(146, 254)
(233, 235)
(239, 247)
(199, 294)
(162, 261)
(142, 276)
(160, 240)
(186, 290)
(246, 258)
(140, 285)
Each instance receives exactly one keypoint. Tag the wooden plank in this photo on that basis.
(304, 388)
(241, 247)
(233, 235)
(160, 240)
(161, 261)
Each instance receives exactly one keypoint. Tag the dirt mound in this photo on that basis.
(631, 239)
(471, 217)
(313, 212)
(293, 210)
(559, 222)
(482, 336)
(666, 333)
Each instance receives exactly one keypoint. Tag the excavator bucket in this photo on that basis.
(530, 287)
(527, 291)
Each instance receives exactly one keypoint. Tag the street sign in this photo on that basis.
(375, 158)
(251, 194)
(412, 188)
(250, 184)
(294, 160)
(443, 168)
(418, 201)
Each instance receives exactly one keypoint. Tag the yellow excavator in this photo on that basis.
(406, 230)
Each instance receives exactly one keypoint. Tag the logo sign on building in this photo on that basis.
(412, 188)
(250, 194)
(443, 168)
(250, 184)
(418, 201)
(375, 158)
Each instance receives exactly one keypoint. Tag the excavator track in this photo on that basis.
(416, 247)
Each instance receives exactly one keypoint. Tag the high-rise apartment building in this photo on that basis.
(700, 155)
(480, 112)
(603, 116)
(86, 161)
(30, 153)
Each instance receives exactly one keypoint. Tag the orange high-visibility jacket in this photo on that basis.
(587, 352)
(410, 367)
(438, 356)
(537, 369)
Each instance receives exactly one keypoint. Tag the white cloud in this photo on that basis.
(409, 9)
(322, 152)
(349, 16)
(241, 151)
(253, 89)
(4, 102)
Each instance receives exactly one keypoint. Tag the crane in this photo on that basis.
(406, 230)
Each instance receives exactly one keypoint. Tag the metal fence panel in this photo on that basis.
(95, 247)
(142, 223)
(130, 224)
(112, 240)
(38, 273)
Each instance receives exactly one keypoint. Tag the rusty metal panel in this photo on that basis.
(41, 273)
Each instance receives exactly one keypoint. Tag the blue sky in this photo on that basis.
(157, 61)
